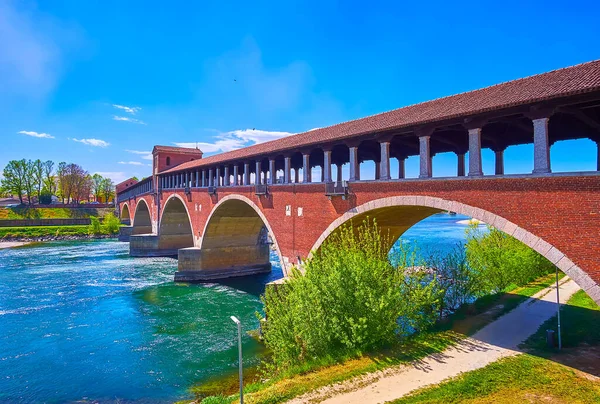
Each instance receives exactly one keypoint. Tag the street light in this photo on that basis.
(239, 327)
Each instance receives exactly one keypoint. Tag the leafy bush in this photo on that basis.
(350, 299)
(501, 260)
(94, 227)
(45, 198)
(111, 223)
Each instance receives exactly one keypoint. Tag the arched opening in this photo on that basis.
(395, 215)
(125, 217)
(142, 222)
(236, 240)
(175, 230)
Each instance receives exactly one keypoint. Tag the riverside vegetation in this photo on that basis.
(357, 308)
(108, 228)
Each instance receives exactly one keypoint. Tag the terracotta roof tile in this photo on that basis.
(579, 79)
(173, 149)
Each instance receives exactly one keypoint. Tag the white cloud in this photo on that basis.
(235, 139)
(36, 134)
(127, 119)
(129, 110)
(133, 163)
(146, 155)
(92, 142)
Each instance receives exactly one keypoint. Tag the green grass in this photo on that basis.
(51, 213)
(44, 231)
(580, 325)
(312, 375)
(523, 378)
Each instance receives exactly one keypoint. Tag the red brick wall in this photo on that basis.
(175, 159)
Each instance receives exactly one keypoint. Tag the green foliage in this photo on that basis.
(95, 227)
(349, 300)
(111, 223)
(45, 198)
(501, 260)
(42, 231)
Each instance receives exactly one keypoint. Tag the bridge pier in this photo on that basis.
(208, 264)
(125, 233)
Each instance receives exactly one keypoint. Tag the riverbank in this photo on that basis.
(19, 241)
(51, 233)
(11, 244)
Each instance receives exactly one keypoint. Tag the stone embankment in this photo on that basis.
(55, 238)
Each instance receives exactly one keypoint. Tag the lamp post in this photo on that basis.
(558, 310)
(239, 327)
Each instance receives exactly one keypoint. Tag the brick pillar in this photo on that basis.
(424, 157)
(257, 179)
(354, 164)
(475, 153)
(541, 146)
(226, 177)
(272, 173)
(306, 167)
(460, 171)
(499, 162)
(287, 170)
(326, 172)
(401, 167)
(339, 172)
(246, 179)
(236, 178)
(384, 171)
(211, 179)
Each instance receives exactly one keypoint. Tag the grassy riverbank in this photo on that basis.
(20, 213)
(38, 232)
(310, 376)
(569, 375)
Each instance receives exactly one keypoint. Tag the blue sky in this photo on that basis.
(107, 80)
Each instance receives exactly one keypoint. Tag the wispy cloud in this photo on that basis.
(146, 155)
(128, 119)
(116, 176)
(236, 139)
(129, 110)
(36, 134)
(92, 142)
(132, 163)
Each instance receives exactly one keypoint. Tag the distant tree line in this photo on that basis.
(69, 182)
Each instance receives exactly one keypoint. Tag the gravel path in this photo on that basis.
(496, 340)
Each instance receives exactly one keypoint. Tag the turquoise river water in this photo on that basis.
(84, 321)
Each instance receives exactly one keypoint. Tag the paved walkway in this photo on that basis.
(497, 340)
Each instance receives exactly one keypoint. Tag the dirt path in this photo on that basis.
(496, 340)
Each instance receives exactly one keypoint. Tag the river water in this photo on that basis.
(84, 321)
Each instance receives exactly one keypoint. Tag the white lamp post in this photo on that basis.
(239, 327)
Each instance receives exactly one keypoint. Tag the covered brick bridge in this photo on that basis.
(216, 213)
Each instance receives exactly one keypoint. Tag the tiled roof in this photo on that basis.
(173, 149)
(579, 79)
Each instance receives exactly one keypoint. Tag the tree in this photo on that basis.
(37, 170)
(98, 185)
(108, 189)
(14, 178)
(29, 179)
(49, 178)
(62, 180)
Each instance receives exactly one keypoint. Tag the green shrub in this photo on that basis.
(111, 223)
(350, 299)
(501, 260)
(45, 198)
(94, 228)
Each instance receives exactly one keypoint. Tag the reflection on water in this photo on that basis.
(83, 320)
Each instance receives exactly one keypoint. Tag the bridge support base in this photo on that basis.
(125, 233)
(147, 245)
(196, 265)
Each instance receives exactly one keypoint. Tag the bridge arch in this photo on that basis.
(237, 225)
(409, 210)
(125, 215)
(175, 226)
(142, 221)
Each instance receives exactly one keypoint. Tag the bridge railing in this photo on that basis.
(140, 188)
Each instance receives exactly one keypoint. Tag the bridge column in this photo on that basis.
(354, 164)
(424, 157)
(226, 178)
(272, 172)
(401, 167)
(541, 146)
(384, 171)
(236, 179)
(218, 177)
(499, 162)
(339, 172)
(211, 179)
(257, 179)
(326, 166)
(475, 152)
(306, 167)
(296, 175)
(287, 170)
(598, 157)
(186, 180)
(460, 170)
(203, 183)
(246, 178)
